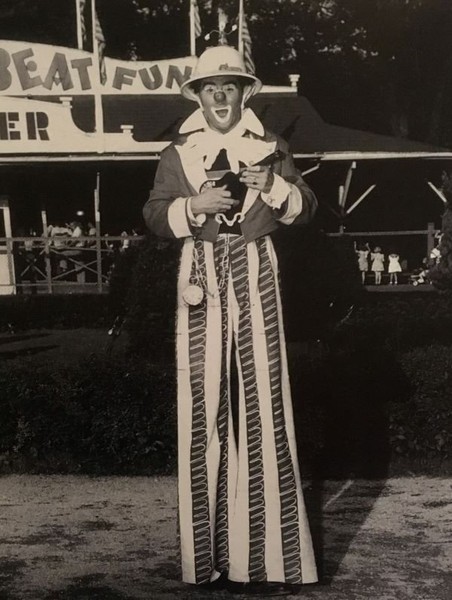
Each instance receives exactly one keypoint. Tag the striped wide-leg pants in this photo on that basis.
(241, 507)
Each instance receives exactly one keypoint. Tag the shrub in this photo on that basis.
(398, 321)
(359, 411)
(320, 281)
(143, 288)
(57, 311)
(319, 276)
(118, 417)
(441, 272)
(422, 426)
(95, 417)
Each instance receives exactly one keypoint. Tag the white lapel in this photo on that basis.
(194, 170)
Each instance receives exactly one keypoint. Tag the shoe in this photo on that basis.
(219, 584)
(262, 588)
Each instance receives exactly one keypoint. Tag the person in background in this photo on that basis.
(242, 517)
(91, 232)
(125, 243)
(394, 268)
(76, 233)
(362, 252)
(377, 264)
(59, 236)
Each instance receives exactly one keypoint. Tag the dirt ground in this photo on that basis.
(114, 538)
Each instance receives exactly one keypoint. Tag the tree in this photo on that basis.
(383, 66)
(441, 273)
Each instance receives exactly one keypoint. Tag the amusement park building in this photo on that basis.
(69, 144)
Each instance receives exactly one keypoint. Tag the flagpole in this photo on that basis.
(192, 29)
(78, 13)
(241, 13)
(98, 111)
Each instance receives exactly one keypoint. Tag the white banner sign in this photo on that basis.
(38, 127)
(38, 69)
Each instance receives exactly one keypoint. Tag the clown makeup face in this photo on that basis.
(221, 100)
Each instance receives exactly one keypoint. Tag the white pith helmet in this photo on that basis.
(220, 60)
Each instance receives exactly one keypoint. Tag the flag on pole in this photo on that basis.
(247, 45)
(100, 40)
(196, 19)
(98, 34)
(195, 26)
(81, 27)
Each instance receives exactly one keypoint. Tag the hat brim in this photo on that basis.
(187, 91)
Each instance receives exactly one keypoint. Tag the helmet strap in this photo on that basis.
(247, 92)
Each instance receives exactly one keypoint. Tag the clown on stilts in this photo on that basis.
(224, 186)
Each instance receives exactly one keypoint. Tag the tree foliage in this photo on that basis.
(384, 65)
(441, 273)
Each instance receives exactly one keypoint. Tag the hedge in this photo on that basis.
(380, 387)
(422, 425)
(322, 298)
(399, 321)
(99, 416)
(320, 281)
(353, 411)
(22, 312)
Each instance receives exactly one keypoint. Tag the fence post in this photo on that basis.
(98, 236)
(10, 261)
(430, 238)
(45, 234)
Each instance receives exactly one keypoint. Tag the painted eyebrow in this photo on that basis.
(227, 82)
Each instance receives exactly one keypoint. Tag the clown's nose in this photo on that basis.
(220, 96)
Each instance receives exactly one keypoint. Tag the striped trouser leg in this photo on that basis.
(207, 452)
(270, 535)
(240, 509)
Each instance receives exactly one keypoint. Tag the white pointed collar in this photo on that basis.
(204, 143)
(249, 122)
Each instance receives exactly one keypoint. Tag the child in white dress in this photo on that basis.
(394, 268)
(377, 264)
(362, 252)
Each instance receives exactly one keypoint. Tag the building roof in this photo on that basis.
(138, 127)
(157, 119)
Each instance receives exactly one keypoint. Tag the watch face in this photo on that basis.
(193, 295)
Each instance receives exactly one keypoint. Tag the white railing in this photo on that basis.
(59, 265)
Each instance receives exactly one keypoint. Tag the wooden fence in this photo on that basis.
(59, 265)
(48, 265)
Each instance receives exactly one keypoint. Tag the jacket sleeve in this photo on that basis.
(300, 203)
(165, 212)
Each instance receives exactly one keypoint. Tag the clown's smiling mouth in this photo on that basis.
(222, 114)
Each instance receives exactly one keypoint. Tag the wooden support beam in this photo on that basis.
(311, 170)
(348, 180)
(438, 192)
(340, 198)
(360, 199)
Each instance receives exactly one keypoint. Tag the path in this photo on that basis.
(114, 538)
